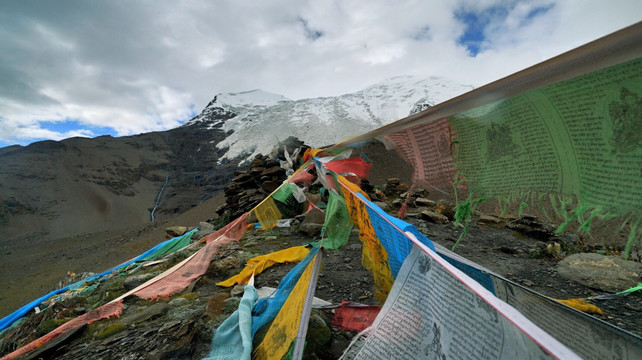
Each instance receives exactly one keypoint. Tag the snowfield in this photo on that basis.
(259, 118)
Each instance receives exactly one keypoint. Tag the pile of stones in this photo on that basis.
(250, 187)
(265, 174)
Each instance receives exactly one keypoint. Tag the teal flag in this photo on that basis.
(233, 339)
(175, 244)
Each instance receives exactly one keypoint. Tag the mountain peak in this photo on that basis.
(261, 117)
(255, 119)
(256, 97)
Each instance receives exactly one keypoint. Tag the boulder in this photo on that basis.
(419, 193)
(446, 208)
(434, 217)
(242, 177)
(554, 249)
(174, 231)
(133, 281)
(258, 161)
(216, 303)
(529, 225)
(607, 273)
(237, 290)
(230, 188)
(205, 227)
(146, 313)
(401, 188)
(487, 219)
(273, 171)
(394, 187)
(314, 216)
(48, 350)
(180, 301)
(318, 335)
(424, 202)
(383, 205)
(248, 183)
(311, 229)
(377, 194)
(225, 266)
(269, 186)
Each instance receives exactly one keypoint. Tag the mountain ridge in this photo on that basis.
(265, 117)
(119, 180)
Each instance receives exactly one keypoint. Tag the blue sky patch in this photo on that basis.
(192, 112)
(63, 128)
(478, 22)
(9, 143)
(535, 12)
(74, 125)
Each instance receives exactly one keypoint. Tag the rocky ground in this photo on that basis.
(521, 249)
(181, 327)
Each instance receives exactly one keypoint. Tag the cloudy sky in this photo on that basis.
(88, 68)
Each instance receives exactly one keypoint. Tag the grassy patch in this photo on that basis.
(110, 330)
(48, 326)
(189, 296)
(106, 292)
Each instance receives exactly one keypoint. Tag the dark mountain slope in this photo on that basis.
(55, 189)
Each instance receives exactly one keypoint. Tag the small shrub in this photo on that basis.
(221, 221)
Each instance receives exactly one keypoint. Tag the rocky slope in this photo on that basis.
(182, 327)
(53, 189)
(87, 204)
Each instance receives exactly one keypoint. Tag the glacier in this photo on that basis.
(257, 119)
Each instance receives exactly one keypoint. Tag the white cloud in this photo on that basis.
(384, 54)
(148, 65)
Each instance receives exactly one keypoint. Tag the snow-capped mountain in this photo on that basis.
(258, 119)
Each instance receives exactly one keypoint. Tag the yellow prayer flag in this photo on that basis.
(373, 257)
(286, 323)
(581, 305)
(310, 153)
(267, 213)
(256, 265)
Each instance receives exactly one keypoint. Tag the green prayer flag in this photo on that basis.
(284, 192)
(337, 225)
(176, 244)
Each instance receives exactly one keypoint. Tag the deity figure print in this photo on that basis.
(626, 119)
(434, 351)
(500, 142)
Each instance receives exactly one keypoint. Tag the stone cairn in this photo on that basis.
(250, 187)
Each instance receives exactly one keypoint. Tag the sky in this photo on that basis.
(90, 68)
